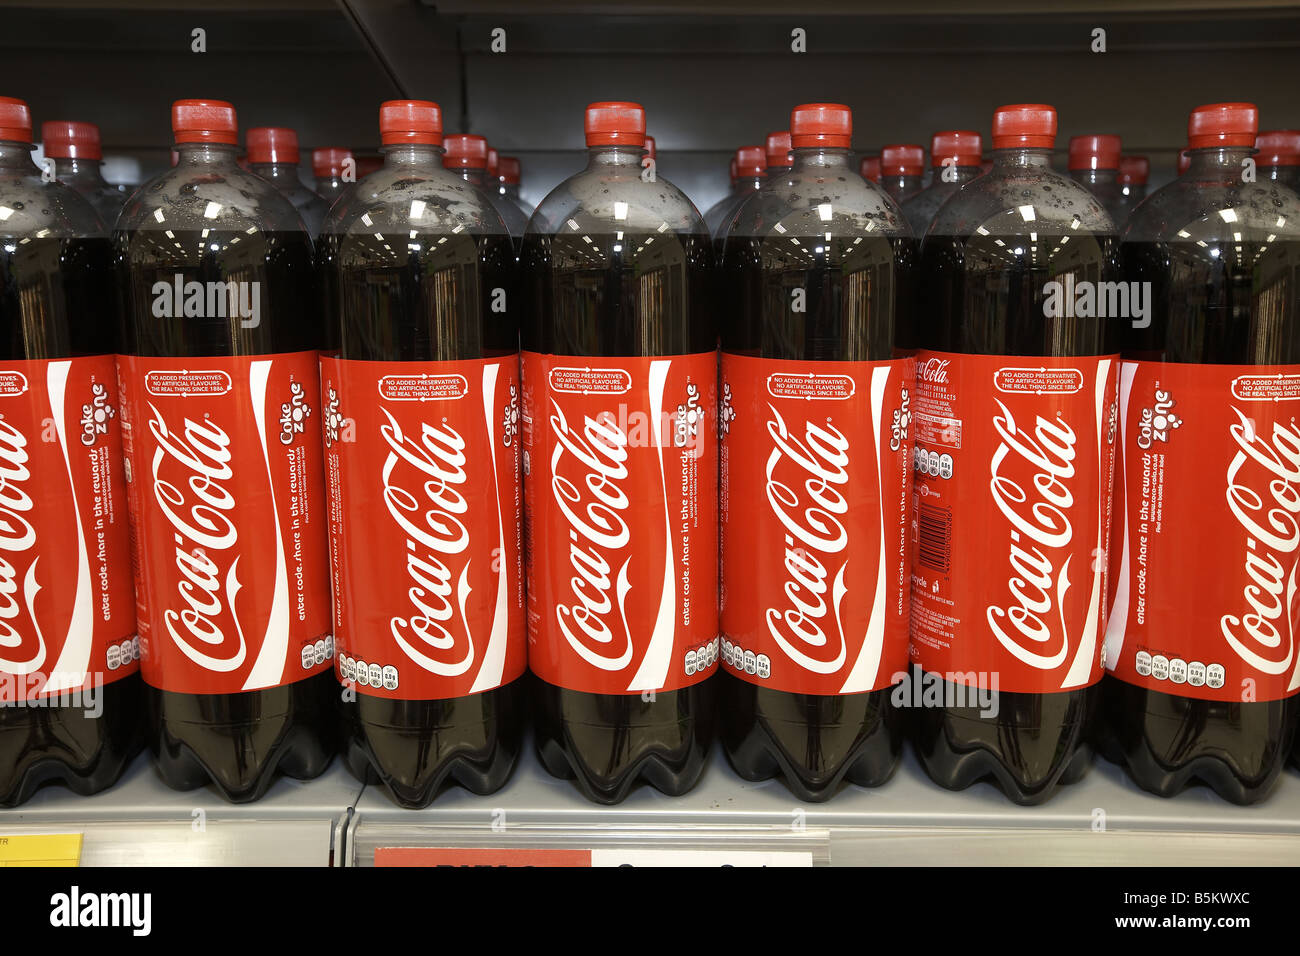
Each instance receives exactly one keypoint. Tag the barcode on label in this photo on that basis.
(934, 547)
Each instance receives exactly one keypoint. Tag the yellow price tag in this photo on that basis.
(40, 849)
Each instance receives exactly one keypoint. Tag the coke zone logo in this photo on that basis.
(436, 464)
(1254, 635)
(933, 370)
(201, 453)
(1040, 528)
(17, 538)
(814, 527)
(601, 451)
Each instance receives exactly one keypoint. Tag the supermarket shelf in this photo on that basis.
(143, 822)
(1104, 819)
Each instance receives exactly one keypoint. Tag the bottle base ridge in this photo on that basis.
(240, 752)
(432, 746)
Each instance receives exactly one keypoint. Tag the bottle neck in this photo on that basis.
(954, 174)
(819, 157)
(1217, 160)
(409, 155)
(1022, 156)
(70, 170)
(471, 174)
(1095, 177)
(279, 173)
(1134, 190)
(206, 154)
(749, 184)
(17, 157)
(623, 154)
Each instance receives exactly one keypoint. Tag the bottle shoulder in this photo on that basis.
(427, 201)
(1200, 210)
(221, 198)
(615, 199)
(31, 205)
(806, 202)
(1022, 200)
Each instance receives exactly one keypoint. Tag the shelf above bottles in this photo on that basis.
(332, 820)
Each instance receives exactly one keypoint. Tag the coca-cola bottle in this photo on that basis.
(869, 168)
(511, 174)
(421, 395)
(1200, 647)
(74, 148)
(621, 471)
(466, 156)
(816, 470)
(732, 190)
(71, 706)
(273, 155)
(1014, 406)
(901, 167)
(777, 147)
(329, 165)
(955, 159)
(1094, 162)
(751, 173)
(1279, 156)
(220, 424)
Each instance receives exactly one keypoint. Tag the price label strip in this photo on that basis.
(457, 856)
(41, 849)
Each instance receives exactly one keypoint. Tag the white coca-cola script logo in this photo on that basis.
(432, 519)
(933, 370)
(204, 533)
(1262, 636)
(1028, 477)
(17, 540)
(594, 504)
(811, 509)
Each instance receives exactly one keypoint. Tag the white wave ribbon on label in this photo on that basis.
(1081, 666)
(74, 660)
(268, 668)
(653, 672)
(1118, 620)
(494, 656)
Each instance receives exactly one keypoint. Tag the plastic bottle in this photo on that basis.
(466, 155)
(273, 155)
(955, 158)
(901, 167)
(328, 165)
(1094, 162)
(78, 159)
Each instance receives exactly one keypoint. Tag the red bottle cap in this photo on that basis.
(494, 163)
(1134, 170)
(1024, 125)
(410, 121)
(1277, 147)
(732, 169)
(205, 121)
(1222, 124)
(66, 139)
(15, 120)
(328, 161)
(650, 146)
(1184, 161)
(902, 160)
(869, 168)
(510, 171)
(615, 123)
(962, 146)
(821, 124)
(272, 144)
(778, 149)
(465, 151)
(1094, 152)
(751, 161)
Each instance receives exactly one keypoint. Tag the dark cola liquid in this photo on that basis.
(859, 299)
(985, 298)
(1240, 307)
(386, 306)
(56, 301)
(588, 299)
(237, 741)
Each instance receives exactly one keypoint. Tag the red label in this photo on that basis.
(621, 468)
(1014, 462)
(227, 505)
(67, 619)
(1208, 543)
(426, 524)
(816, 487)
